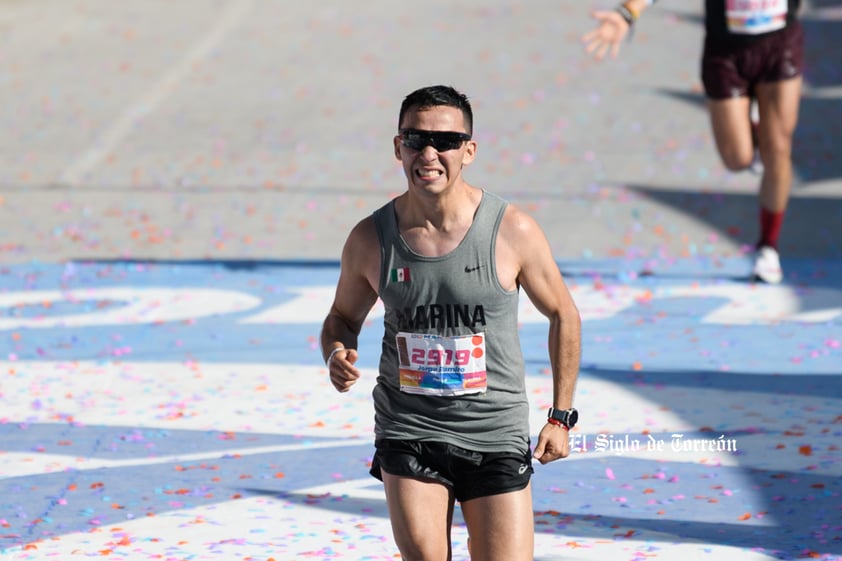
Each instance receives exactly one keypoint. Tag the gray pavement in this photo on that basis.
(258, 129)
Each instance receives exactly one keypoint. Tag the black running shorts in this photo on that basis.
(469, 474)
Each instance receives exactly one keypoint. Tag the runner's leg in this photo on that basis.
(778, 104)
(501, 526)
(421, 514)
(731, 126)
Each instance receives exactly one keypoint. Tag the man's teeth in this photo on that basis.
(429, 172)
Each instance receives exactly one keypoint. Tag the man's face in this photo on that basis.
(426, 167)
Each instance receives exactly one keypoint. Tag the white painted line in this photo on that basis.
(228, 19)
(51, 463)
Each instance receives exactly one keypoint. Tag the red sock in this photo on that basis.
(770, 227)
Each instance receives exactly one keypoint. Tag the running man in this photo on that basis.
(451, 413)
(753, 50)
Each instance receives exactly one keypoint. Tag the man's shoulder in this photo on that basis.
(364, 231)
(517, 218)
(360, 255)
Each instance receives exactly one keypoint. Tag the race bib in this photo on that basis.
(436, 365)
(750, 17)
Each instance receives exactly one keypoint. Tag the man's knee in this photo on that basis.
(423, 551)
(736, 161)
(776, 149)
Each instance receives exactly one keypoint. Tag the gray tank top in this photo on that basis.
(451, 367)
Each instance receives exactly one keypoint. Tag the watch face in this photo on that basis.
(567, 416)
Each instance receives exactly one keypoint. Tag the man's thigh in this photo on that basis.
(778, 103)
(501, 527)
(421, 514)
(729, 119)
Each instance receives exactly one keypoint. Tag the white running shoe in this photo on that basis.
(767, 265)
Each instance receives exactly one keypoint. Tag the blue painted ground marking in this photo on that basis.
(692, 350)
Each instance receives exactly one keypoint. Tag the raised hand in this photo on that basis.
(608, 35)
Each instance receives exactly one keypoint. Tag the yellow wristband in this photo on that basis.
(632, 10)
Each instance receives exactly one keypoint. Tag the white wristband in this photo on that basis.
(332, 354)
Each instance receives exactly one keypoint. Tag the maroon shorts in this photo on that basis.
(733, 69)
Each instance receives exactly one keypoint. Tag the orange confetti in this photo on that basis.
(745, 516)
(805, 450)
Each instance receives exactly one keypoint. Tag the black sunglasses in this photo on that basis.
(441, 141)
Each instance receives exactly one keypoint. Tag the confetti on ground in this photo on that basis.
(214, 446)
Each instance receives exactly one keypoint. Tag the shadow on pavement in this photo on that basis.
(812, 228)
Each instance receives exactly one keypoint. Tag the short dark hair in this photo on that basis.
(435, 96)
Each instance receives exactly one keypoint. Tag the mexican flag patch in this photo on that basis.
(399, 275)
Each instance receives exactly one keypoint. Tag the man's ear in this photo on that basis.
(397, 143)
(470, 152)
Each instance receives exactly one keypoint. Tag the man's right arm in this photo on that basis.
(354, 298)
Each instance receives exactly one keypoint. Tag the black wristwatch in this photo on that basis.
(567, 417)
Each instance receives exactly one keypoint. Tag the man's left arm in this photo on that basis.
(544, 285)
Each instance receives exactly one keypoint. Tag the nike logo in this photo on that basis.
(472, 269)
